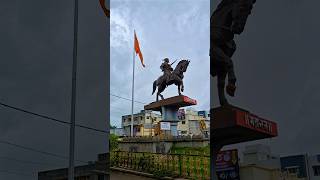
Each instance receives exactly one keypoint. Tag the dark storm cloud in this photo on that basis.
(35, 74)
(277, 64)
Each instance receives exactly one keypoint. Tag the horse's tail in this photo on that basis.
(154, 86)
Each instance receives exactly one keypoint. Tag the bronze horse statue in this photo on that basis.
(228, 19)
(176, 78)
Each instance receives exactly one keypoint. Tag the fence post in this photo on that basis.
(201, 167)
(195, 167)
(135, 161)
(167, 162)
(180, 165)
(188, 165)
(173, 163)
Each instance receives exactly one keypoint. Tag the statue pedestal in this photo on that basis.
(231, 125)
(169, 109)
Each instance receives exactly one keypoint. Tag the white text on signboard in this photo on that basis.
(165, 125)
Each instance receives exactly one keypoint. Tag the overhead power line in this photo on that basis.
(64, 122)
(36, 150)
(126, 99)
(52, 119)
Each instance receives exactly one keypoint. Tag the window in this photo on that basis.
(183, 132)
(181, 117)
(183, 122)
(316, 170)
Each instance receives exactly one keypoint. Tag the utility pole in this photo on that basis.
(73, 95)
(132, 102)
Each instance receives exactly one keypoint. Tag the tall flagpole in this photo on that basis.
(132, 102)
(73, 96)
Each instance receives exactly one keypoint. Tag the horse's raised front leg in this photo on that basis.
(157, 99)
(182, 86)
(179, 90)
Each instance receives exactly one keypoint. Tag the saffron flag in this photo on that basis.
(105, 10)
(137, 48)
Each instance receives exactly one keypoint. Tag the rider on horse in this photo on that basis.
(170, 76)
(166, 69)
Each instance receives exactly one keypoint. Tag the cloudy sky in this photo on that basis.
(174, 29)
(35, 74)
(277, 64)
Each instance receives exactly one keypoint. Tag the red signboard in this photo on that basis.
(256, 123)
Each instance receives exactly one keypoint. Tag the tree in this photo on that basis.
(113, 127)
(113, 142)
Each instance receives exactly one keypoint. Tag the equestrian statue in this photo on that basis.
(228, 19)
(170, 76)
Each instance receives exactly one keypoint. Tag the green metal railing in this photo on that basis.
(171, 165)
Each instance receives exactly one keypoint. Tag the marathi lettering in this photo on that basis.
(258, 123)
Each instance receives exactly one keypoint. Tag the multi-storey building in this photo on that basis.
(314, 167)
(296, 164)
(259, 163)
(146, 123)
(258, 158)
(143, 124)
(193, 122)
(305, 166)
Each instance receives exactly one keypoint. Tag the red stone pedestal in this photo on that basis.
(176, 101)
(230, 125)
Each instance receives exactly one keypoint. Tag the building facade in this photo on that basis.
(258, 162)
(193, 122)
(314, 167)
(143, 124)
(305, 166)
(296, 164)
(147, 123)
(260, 155)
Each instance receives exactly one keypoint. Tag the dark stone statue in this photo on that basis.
(170, 76)
(228, 19)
